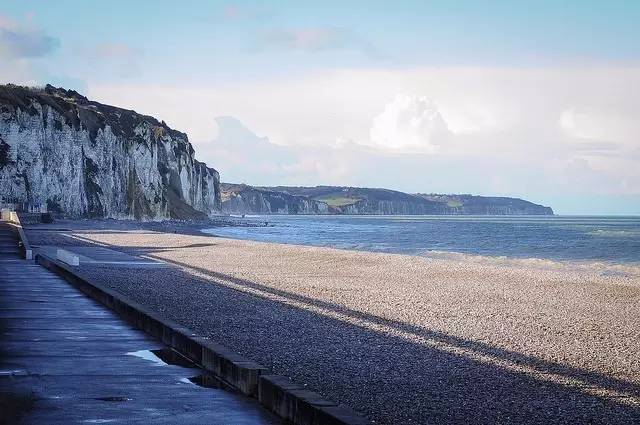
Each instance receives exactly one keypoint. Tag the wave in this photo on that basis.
(602, 268)
(605, 233)
(567, 243)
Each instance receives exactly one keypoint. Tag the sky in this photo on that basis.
(532, 99)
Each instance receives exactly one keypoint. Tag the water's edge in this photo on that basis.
(603, 240)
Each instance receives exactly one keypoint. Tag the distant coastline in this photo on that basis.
(345, 200)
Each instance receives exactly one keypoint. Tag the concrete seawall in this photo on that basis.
(66, 359)
(277, 393)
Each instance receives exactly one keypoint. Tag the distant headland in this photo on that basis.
(244, 199)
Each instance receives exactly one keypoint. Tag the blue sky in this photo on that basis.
(530, 99)
(367, 33)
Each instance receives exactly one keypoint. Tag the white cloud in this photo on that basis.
(115, 51)
(19, 46)
(111, 59)
(19, 42)
(17, 72)
(409, 123)
(317, 39)
(308, 38)
(506, 125)
(241, 155)
(600, 125)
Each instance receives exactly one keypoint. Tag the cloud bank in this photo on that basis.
(409, 123)
(544, 134)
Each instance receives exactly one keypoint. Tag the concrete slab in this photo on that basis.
(67, 257)
(44, 310)
(100, 255)
(65, 359)
(69, 347)
(110, 400)
(62, 334)
(96, 326)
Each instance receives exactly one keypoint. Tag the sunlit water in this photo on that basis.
(561, 238)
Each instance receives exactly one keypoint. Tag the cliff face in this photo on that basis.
(355, 200)
(392, 207)
(243, 199)
(83, 158)
(487, 205)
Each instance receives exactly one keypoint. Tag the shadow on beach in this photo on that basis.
(394, 372)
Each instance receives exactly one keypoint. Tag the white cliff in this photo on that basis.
(241, 199)
(82, 158)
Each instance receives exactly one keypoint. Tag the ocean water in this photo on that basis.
(610, 239)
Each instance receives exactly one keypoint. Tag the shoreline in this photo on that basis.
(628, 268)
(396, 337)
(631, 268)
(200, 228)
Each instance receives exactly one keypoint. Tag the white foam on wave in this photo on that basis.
(605, 233)
(602, 268)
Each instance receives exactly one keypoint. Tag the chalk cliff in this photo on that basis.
(357, 200)
(83, 158)
(243, 199)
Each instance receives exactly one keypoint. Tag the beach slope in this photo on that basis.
(402, 339)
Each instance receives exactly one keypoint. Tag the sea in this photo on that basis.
(608, 239)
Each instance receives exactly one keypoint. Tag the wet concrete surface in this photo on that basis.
(103, 256)
(65, 359)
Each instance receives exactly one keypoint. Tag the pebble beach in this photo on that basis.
(401, 339)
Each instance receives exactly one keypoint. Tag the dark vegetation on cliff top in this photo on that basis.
(81, 112)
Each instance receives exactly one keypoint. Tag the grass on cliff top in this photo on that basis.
(336, 200)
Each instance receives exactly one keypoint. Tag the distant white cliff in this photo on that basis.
(244, 199)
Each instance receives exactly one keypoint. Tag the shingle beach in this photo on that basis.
(401, 339)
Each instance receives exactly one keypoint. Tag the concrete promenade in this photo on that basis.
(66, 359)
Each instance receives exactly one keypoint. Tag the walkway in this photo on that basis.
(66, 359)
